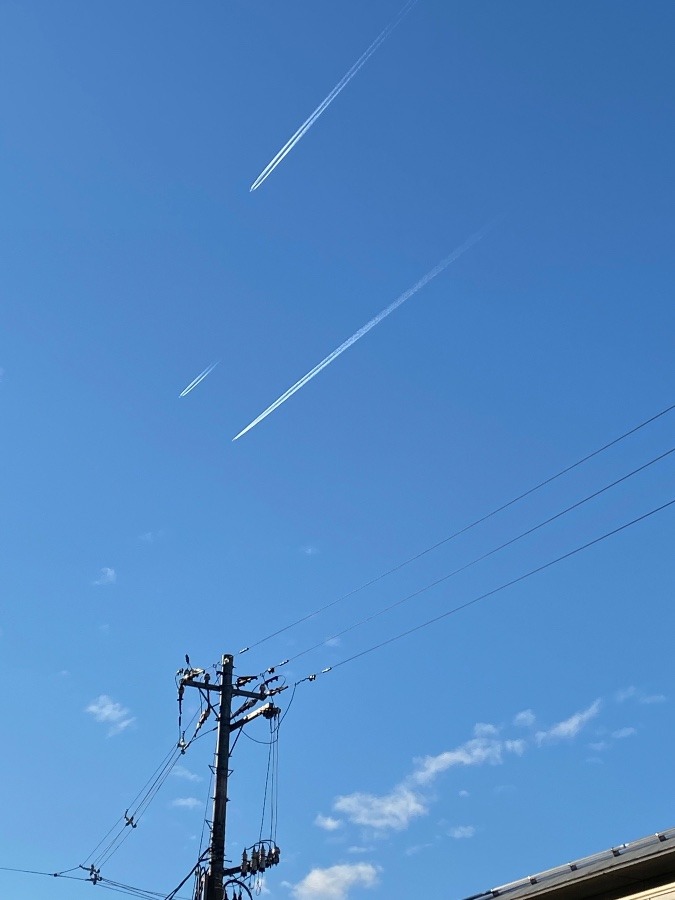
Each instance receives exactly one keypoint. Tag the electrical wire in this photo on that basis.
(267, 781)
(138, 806)
(483, 556)
(494, 591)
(46, 874)
(172, 895)
(274, 799)
(206, 813)
(138, 811)
(290, 703)
(160, 767)
(462, 530)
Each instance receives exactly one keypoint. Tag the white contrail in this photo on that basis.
(202, 375)
(339, 87)
(367, 327)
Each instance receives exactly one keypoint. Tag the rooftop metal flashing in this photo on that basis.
(645, 863)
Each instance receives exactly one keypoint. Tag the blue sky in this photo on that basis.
(533, 727)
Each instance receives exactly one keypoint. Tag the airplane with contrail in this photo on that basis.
(326, 102)
(468, 243)
(202, 375)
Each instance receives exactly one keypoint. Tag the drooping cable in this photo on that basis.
(267, 782)
(62, 874)
(491, 593)
(91, 856)
(206, 814)
(464, 529)
(138, 806)
(484, 556)
(275, 784)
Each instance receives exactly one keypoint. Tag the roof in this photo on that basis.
(645, 863)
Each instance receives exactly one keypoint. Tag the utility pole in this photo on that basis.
(264, 853)
(214, 888)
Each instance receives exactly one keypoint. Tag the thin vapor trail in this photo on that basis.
(367, 327)
(325, 103)
(202, 375)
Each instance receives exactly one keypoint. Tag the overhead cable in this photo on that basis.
(484, 556)
(464, 529)
(492, 592)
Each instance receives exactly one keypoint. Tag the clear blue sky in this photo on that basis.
(133, 256)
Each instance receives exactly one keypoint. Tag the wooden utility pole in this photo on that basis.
(214, 888)
(264, 853)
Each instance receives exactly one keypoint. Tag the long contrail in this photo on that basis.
(202, 375)
(339, 87)
(367, 327)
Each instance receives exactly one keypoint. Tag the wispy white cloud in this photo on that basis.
(186, 774)
(411, 798)
(621, 733)
(335, 882)
(328, 823)
(107, 576)
(625, 694)
(389, 811)
(525, 719)
(462, 831)
(485, 729)
(309, 550)
(357, 849)
(599, 746)
(502, 789)
(633, 693)
(418, 848)
(476, 752)
(104, 709)
(569, 728)
(186, 803)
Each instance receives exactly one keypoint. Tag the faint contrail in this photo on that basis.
(366, 328)
(339, 87)
(198, 379)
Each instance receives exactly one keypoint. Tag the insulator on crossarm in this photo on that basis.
(244, 864)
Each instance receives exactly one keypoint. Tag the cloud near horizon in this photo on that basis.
(335, 882)
(390, 811)
(409, 799)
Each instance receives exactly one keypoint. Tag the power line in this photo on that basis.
(46, 874)
(492, 592)
(462, 530)
(484, 556)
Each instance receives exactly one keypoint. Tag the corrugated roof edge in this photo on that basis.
(579, 865)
